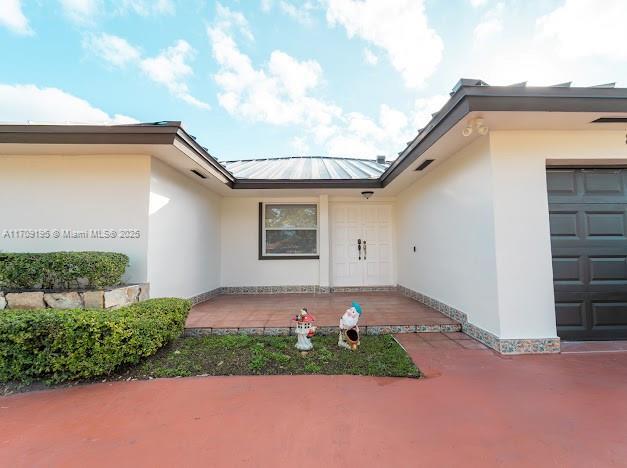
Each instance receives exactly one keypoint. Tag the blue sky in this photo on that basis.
(263, 78)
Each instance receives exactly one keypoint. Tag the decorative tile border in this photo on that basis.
(445, 309)
(530, 346)
(205, 296)
(325, 330)
(364, 289)
(301, 289)
(503, 346)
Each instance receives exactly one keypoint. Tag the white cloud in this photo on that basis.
(478, 3)
(491, 23)
(171, 69)
(300, 145)
(284, 92)
(369, 57)
(400, 27)
(21, 103)
(577, 40)
(587, 28)
(87, 12)
(115, 50)
(81, 11)
(364, 137)
(12, 17)
(301, 13)
(425, 107)
(147, 7)
(227, 19)
(276, 95)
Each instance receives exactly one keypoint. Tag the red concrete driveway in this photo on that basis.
(474, 409)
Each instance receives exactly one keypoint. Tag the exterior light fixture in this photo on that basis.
(367, 194)
(478, 124)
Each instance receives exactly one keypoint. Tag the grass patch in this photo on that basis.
(255, 355)
(274, 355)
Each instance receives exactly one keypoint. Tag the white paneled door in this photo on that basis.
(361, 244)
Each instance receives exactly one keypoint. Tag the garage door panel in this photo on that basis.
(589, 185)
(605, 223)
(563, 223)
(562, 183)
(609, 314)
(567, 270)
(571, 314)
(588, 221)
(603, 182)
(605, 270)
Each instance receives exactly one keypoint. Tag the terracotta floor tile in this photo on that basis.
(445, 344)
(257, 310)
(471, 344)
(457, 336)
(434, 336)
(593, 346)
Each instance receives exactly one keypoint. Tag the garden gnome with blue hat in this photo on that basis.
(349, 331)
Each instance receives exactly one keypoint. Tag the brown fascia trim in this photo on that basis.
(470, 98)
(301, 183)
(163, 134)
(185, 138)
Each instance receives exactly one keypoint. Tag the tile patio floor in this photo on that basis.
(389, 309)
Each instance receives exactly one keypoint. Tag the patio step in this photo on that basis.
(283, 331)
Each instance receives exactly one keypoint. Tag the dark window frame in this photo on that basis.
(282, 257)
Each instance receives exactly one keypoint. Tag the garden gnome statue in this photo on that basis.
(305, 329)
(349, 331)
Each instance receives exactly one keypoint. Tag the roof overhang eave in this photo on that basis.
(467, 99)
(111, 135)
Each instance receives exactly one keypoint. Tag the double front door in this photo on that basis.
(361, 244)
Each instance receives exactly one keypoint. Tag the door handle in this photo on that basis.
(364, 249)
(359, 248)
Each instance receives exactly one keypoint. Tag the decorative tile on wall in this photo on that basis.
(505, 346)
(302, 289)
(364, 289)
(205, 296)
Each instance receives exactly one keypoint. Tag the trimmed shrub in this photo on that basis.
(60, 345)
(61, 270)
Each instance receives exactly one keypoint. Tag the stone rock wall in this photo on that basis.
(100, 299)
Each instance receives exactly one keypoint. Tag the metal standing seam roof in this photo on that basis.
(306, 167)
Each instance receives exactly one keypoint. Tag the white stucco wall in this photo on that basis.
(184, 235)
(77, 193)
(480, 223)
(448, 215)
(240, 249)
(523, 244)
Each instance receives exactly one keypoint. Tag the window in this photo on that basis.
(288, 230)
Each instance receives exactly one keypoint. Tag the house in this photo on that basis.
(507, 211)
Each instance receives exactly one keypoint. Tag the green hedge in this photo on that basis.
(60, 345)
(61, 270)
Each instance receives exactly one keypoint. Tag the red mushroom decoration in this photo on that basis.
(305, 329)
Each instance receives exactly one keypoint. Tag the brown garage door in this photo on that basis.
(588, 217)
